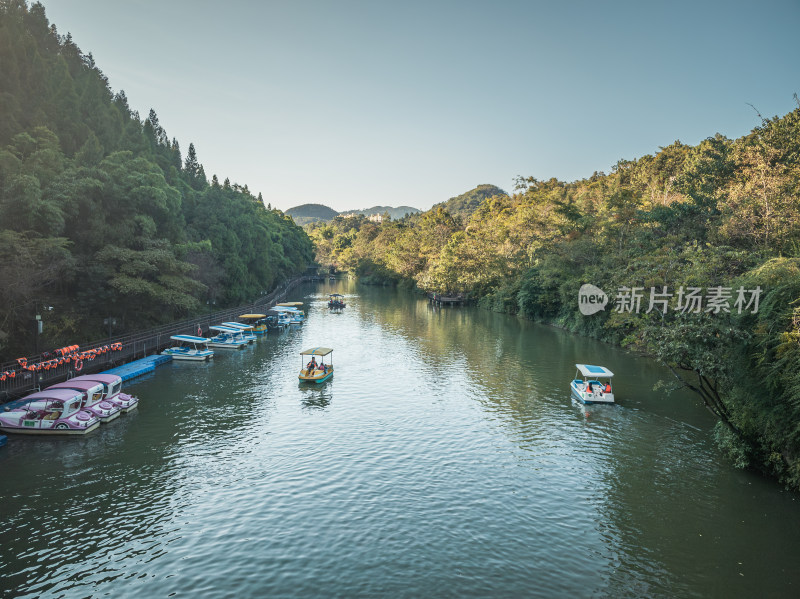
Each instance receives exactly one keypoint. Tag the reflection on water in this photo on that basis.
(444, 458)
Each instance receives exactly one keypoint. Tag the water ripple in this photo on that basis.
(444, 458)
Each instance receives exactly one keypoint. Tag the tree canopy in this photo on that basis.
(101, 216)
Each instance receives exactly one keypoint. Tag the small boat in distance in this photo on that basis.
(336, 301)
(189, 348)
(314, 372)
(589, 389)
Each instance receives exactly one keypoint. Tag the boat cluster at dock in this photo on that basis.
(79, 405)
(234, 335)
(75, 407)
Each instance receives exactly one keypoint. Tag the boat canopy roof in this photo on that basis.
(78, 385)
(336, 295)
(109, 379)
(253, 316)
(589, 370)
(316, 351)
(238, 325)
(55, 395)
(189, 338)
(224, 329)
(290, 304)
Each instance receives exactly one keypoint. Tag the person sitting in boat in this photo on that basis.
(608, 388)
(312, 365)
(589, 388)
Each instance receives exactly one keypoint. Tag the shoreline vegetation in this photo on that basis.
(106, 226)
(695, 251)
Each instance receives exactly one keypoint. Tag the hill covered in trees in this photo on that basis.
(101, 215)
(697, 249)
(464, 205)
(309, 213)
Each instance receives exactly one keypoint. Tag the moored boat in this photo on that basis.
(50, 412)
(93, 398)
(189, 348)
(258, 322)
(314, 372)
(245, 330)
(112, 390)
(590, 389)
(289, 315)
(296, 314)
(226, 338)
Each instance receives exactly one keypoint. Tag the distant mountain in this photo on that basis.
(394, 213)
(309, 213)
(465, 204)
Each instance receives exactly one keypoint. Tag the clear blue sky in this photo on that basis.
(360, 103)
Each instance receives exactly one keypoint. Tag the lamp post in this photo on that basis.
(38, 324)
(111, 322)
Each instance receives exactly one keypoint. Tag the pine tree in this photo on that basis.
(191, 165)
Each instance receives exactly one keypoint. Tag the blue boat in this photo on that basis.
(245, 329)
(227, 338)
(294, 313)
(189, 348)
(589, 389)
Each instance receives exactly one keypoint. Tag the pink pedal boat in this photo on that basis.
(112, 390)
(50, 412)
(93, 400)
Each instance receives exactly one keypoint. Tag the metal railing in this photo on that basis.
(134, 346)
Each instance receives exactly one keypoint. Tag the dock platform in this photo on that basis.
(138, 367)
(446, 300)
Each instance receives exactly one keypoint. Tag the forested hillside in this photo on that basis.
(101, 215)
(697, 249)
(465, 204)
(310, 213)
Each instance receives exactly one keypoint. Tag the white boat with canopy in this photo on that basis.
(589, 389)
(189, 347)
(226, 338)
(245, 329)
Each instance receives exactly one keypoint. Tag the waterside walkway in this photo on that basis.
(25, 375)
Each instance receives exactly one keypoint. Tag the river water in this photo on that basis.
(444, 459)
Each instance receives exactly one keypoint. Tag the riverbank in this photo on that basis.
(25, 374)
